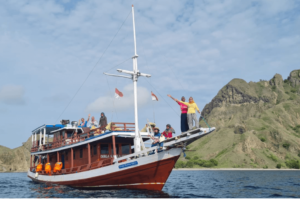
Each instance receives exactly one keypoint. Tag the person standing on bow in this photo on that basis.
(103, 121)
(191, 114)
(183, 118)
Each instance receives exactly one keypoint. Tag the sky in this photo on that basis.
(53, 55)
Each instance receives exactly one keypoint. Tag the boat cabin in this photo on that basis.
(81, 149)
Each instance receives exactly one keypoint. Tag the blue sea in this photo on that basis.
(181, 184)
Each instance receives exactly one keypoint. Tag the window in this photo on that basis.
(112, 149)
(104, 148)
(125, 149)
(66, 155)
(95, 149)
(69, 134)
(81, 153)
(74, 154)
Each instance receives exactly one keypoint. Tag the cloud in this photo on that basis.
(12, 95)
(109, 103)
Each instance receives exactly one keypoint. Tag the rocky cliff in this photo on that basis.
(257, 124)
(15, 160)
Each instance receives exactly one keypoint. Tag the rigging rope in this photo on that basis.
(162, 97)
(118, 64)
(113, 101)
(93, 67)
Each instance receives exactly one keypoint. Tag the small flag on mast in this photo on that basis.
(154, 97)
(118, 93)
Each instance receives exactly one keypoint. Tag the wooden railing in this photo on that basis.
(115, 126)
(119, 126)
(81, 168)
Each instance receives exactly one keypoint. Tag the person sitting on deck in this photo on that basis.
(168, 132)
(93, 123)
(156, 139)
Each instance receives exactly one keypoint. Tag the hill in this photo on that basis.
(257, 126)
(15, 160)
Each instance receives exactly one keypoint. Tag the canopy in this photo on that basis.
(48, 128)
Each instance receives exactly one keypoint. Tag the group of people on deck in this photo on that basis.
(160, 137)
(93, 123)
(188, 116)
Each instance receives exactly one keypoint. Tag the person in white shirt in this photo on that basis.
(93, 123)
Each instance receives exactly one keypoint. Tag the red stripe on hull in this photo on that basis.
(133, 178)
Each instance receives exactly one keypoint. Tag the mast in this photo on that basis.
(134, 76)
(137, 139)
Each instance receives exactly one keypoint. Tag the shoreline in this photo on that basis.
(232, 169)
(214, 169)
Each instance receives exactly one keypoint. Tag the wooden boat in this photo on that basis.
(106, 158)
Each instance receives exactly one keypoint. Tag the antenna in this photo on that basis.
(135, 74)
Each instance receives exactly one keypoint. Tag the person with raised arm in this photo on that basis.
(83, 123)
(191, 114)
(183, 117)
(93, 123)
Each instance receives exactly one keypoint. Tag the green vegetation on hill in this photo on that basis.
(257, 125)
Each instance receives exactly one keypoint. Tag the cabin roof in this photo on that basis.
(48, 128)
(121, 137)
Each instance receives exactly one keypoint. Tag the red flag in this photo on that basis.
(118, 93)
(154, 97)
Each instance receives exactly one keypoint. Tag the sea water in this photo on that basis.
(181, 184)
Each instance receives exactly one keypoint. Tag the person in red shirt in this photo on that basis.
(168, 132)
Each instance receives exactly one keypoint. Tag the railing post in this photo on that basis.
(98, 151)
(89, 153)
(72, 156)
(114, 146)
(33, 161)
(44, 136)
(40, 137)
(57, 154)
(124, 126)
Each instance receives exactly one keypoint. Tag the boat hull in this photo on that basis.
(150, 173)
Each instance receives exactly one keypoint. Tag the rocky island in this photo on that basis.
(258, 126)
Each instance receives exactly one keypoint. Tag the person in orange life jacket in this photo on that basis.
(168, 132)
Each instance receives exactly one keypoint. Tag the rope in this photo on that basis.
(93, 67)
(113, 100)
(119, 64)
(205, 121)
